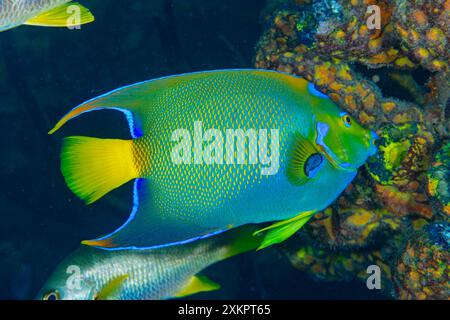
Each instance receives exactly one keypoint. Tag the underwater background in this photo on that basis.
(401, 196)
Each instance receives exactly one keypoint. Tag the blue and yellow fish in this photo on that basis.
(46, 13)
(214, 150)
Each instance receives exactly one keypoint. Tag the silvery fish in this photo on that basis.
(95, 274)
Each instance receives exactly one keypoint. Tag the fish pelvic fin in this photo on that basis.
(68, 15)
(111, 288)
(280, 231)
(197, 284)
(241, 240)
(92, 167)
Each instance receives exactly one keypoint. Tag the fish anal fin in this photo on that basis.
(149, 227)
(61, 16)
(111, 288)
(304, 161)
(197, 284)
(282, 230)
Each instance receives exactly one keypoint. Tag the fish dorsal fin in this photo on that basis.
(61, 17)
(111, 288)
(305, 160)
(280, 231)
(197, 284)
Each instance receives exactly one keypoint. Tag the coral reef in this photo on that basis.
(422, 271)
(439, 178)
(339, 245)
(351, 229)
(394, 79)
(324, 265)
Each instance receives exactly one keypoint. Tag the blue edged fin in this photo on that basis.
(146, 228)
(115, 100)
(139, 98)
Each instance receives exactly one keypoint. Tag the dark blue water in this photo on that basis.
(45, 72)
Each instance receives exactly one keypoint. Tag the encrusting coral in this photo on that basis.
(394, 79)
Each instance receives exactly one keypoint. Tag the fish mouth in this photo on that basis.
(322, 131)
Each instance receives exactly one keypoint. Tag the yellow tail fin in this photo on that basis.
(93, 167)
(62, 16)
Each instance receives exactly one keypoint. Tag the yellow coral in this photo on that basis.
(422, 53)
(360, 218)
(435, 35)
(432, 186)
(404, 62)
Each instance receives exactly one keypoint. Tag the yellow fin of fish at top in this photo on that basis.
(61, 17)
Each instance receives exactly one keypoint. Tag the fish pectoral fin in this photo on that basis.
(305, 160)
(280, 231)
(111, 288)
(197, 284)
(67, 15)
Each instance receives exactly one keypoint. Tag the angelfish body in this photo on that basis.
(94, 274)
(49, 13)
(190, 179)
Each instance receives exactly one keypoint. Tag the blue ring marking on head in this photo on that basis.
(313, 90)
(322, 130)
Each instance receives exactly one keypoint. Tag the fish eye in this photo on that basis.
(347, 120)
(54, 295)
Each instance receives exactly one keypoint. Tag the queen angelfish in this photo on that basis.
(214, 150)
